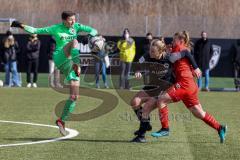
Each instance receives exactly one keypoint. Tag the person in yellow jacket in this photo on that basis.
(127, 48)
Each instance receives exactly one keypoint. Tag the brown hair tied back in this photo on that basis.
(184, 35)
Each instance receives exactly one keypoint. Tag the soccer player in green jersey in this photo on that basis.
(66, 55)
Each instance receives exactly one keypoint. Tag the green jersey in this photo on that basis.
(61, 33)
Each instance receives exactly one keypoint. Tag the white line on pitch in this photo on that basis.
(72, 133)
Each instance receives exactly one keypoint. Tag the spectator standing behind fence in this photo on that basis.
(100, 65)
(202, 54)
(54, 73)
(146, 48)
(33, 49)
(236, 63)
(9, 51)
(127, 48)
(146, 44)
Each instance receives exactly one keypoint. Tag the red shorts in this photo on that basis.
(189, 94)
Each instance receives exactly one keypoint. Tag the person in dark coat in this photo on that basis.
(146, 44)
(9, 51)
(236, 63)
(202, 55)
(33, 49)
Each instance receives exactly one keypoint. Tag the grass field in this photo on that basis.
(107, 137)
(215, 82)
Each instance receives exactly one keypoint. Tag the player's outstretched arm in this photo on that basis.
(88, 29)
(32, 30)
(173, 57)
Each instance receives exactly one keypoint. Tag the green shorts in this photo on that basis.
(64, 64)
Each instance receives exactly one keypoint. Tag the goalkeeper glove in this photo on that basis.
(17, 24)
(85, 39)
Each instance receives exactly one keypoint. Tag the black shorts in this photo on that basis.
(155, 90)
(152, 91)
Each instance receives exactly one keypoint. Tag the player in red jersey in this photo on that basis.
(160, 77)
(185, 89)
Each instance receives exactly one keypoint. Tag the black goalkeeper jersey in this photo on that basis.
(157, 74)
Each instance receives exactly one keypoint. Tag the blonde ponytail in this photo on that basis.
(186, 39)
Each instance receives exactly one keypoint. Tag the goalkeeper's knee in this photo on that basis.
(73, 97)
(75, 43)
(74, 52)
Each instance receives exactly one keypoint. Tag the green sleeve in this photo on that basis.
(88, 29)
(45, 30)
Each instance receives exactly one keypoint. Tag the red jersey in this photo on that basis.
(185, 88)
(183, 71)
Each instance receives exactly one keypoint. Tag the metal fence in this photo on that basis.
(139, 25)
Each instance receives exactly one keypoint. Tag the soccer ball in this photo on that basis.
(96, 43)
(1, 83)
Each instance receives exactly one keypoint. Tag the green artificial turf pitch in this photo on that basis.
(107, 137)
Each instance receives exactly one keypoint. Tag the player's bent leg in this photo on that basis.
(69, 106)
(67, 49)
(65, 62)
(198, 112)
(75, 52)
(164, 130)
(136, 103)
(145, 121)
(149, 106)
(71, 51)
(138, 99)
(162, 102)
(64, 65)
